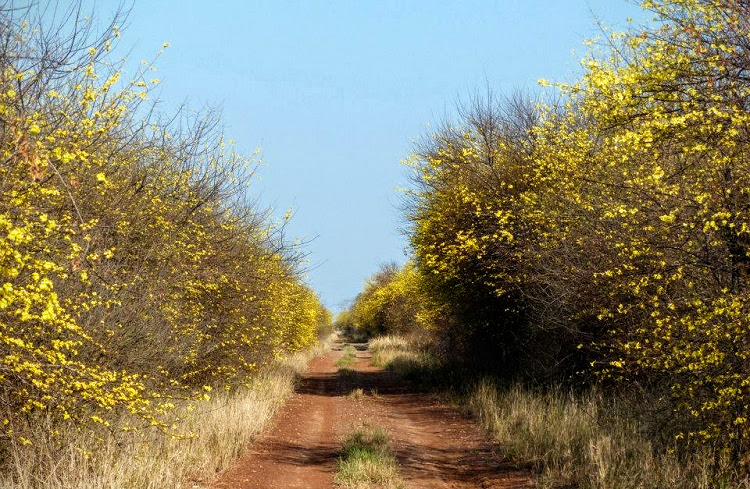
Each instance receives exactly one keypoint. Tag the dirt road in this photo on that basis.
(435, 445)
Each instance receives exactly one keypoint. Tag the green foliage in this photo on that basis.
(348, 358)
(367, 461)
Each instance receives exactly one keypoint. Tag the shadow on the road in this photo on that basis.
(345, 380)
(357, 346)
(303, 455)
(450, 463)
(423, 460)
(453, 466)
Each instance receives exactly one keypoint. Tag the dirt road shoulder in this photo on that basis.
(436, 446)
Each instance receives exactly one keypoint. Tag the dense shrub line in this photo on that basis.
(604, 237)
(136, 273)
(390, 302)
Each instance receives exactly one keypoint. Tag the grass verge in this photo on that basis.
(367, 461)
(568, 440)
(385, 349)
(220, 430)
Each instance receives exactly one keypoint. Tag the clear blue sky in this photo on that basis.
(335, 92)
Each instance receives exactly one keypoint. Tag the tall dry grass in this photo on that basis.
(219, 431)
(583, 441)
(570, 440)
(386, 349)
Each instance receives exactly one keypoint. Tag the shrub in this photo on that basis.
(391, 302)
(135, 272)
(606, 233)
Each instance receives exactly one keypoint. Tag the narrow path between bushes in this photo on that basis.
(436, 446)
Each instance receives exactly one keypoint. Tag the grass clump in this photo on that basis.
(357, 394)
(587, 441)
(413, 360)
(348, 359)
(367, 460)
(386, 348)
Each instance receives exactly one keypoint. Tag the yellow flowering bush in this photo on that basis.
(392, 302)
(133, 271)
(667, 193)
(608, 232)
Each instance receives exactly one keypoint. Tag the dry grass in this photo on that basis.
(357, 394)
(574, 441)
(385, 349)
(581, 441)
(367, 461)
(221, 428)
(390, 342)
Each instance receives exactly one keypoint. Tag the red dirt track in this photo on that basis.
(436, 446)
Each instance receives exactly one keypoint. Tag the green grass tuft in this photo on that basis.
(348, 359)
(367, 461)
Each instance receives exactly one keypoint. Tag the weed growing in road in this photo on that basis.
(367, 460)
(357, 394)
(347, 360)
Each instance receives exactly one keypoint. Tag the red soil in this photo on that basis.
(435, 444)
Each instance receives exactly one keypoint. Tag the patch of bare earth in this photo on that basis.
(435, 444)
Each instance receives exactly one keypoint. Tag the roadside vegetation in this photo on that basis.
(588, 252)
(217, 432)
(367, 460)
(146, 301)
(566, 437)
(348, 358)
(386, 348)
